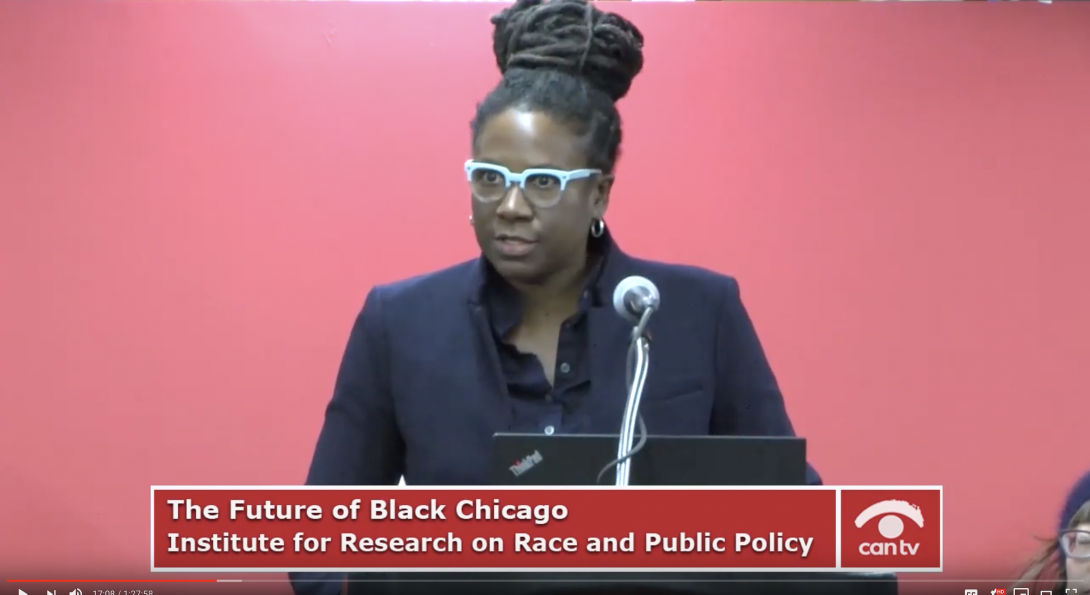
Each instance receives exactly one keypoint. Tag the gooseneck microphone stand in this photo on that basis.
(639, 358)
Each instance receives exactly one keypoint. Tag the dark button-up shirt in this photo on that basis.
(536, 405)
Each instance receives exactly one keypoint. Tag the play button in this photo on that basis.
(22, 592)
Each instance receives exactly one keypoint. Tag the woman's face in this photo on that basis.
(1078, 570)
(528, 243)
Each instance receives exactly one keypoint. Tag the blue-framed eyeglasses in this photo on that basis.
(1076, 544)
(541, 187)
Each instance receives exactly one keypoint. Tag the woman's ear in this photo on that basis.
(600, 198)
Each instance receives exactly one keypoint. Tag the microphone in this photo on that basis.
(634, 296)
(635, 299)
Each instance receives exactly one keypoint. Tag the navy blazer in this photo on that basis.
(420, 391)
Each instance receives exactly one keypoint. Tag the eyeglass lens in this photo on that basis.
(491, 185)
(1076, 544)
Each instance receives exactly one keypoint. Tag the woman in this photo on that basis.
(524, 338)
(1067, 556)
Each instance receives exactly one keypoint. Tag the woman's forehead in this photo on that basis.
(519, 140)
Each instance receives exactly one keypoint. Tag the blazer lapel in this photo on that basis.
(609, 335)
(491, 386)
(609, 339)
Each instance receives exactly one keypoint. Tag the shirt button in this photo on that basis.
(565, 368)
(549, 430)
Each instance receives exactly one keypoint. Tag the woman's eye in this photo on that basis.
(491, 177)
(544, 181)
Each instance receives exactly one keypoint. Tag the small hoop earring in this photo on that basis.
(471, 220)
(598, 228)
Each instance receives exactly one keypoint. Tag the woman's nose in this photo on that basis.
(514, 205)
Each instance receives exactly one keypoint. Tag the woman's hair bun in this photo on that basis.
(570, 36)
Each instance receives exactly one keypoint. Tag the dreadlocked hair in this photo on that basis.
(570, 61)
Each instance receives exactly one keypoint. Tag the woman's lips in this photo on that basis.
(509, 246)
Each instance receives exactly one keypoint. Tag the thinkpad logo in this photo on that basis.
(526, 464)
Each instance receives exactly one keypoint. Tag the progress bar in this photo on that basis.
(124, 581)
(901, 580)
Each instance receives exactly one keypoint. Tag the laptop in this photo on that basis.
(577, 459)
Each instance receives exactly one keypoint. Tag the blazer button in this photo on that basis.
(549, 430)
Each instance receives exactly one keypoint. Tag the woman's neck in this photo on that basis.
(555, 300)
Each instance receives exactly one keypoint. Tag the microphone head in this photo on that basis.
(633, 295)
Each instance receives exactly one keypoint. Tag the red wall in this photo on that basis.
(195, 198)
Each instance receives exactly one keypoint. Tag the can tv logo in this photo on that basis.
(891, 526)
(892, 529)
